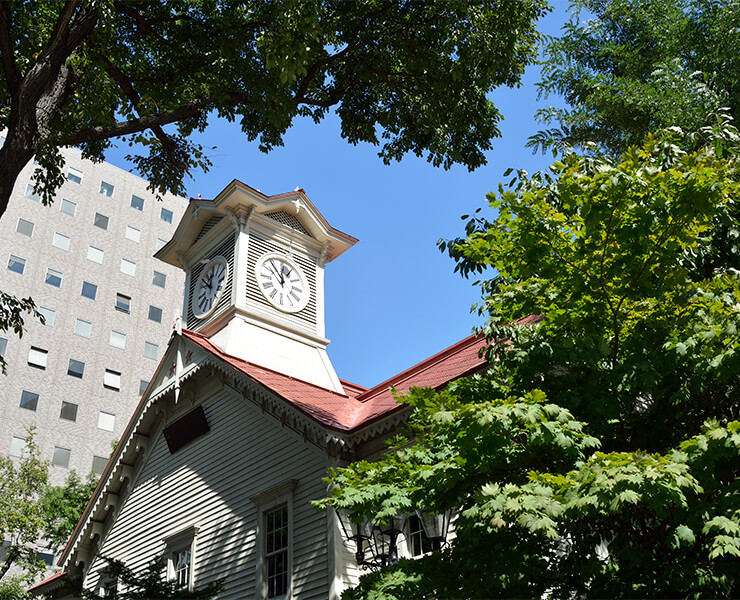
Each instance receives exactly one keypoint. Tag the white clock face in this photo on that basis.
(210, 287)
(282, 282)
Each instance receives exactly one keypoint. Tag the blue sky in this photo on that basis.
(393, 299)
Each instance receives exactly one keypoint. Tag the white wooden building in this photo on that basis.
(244, 416)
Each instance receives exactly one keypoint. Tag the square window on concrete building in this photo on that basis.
(37, 357)
(48, 314)
(166, 215)
(53, 277)
(68, 412)
(123, 303)
(101, 221)
(29, 400)
(83, 328)
(128, 267)
(161, 243)
(133, 234)
(60, 241)
(151, 350)
(74, 175)
(155, 314)
(61, 456)
(68, 207)
(112, 380)
(137, 203)
(118, 340)
(24, 227)
(32, 194)
(159, 279)
(106, 421)
(98, 464)
(89, 290)
(3, 345)
(16, 264)
(106, 189)
(76, 368)
(18, 447)
(95, 255)
(143, 384)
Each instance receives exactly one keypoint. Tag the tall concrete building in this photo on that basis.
(109, 308)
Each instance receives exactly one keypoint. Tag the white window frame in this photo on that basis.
(156, 350)
(107, 189)
(104, 418)
(93, 253)
(17, 260)
(133, 204)
(266, 502)
(117, 339)
(49, 315)
(82, 327)
(163, 276)
(65, 202)
(166, 215)
(18, 447)
(181, 541)
(112, 380)
(38, 357)
(61, 241)
(133, 234)
(25, 222)
(55, 274)
(128, 267)
(31, 193)
(74, 175)
(69, 456)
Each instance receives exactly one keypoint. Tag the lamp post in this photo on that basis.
(380, 540)
(435, 527)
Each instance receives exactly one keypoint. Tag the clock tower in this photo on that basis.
(255, 278)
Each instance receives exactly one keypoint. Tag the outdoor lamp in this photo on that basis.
(435, 526)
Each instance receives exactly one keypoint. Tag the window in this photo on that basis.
(48, 314)
(17, 264)
(418, 542)
(60, 241)
(68, 207)
(151, 350)
(159, 279)
(137, 203)
(133, 234)
(179, 550)
(112, 381)
(143, 384)
(46, 557)
(101, 221)
(54, 277)
(123, 303)
(31, 193)
(106, 421)
(166, 215)
(68, 412)
(118, 340)
(89, 290)
(128, 267)
(155, 314)
(24, 227)
(106, 189)
(74, 175)
(83, 328)
(161, 243)
(76, 368)
(60, 457)
(4, 346)
(29, 400)
(18, 447)
(37, 357)
(186, 429)
(95, 255)
(98, 464)
(274, 546)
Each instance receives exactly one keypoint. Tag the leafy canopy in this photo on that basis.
(408, 76)
(599, 455)
(628, 67)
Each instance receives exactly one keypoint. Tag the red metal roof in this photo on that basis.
(358, 406)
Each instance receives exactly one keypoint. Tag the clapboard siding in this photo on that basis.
(209, 484)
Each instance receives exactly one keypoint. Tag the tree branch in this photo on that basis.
(7, 50)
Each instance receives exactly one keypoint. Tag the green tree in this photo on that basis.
(21, 516)
(62, 507)
(628, 67)
(600, 456)
(412, 76)
(11, 317)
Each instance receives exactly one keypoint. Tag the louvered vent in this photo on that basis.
(287, 219)
(306, 318)
(227, 251)
(210, 224)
